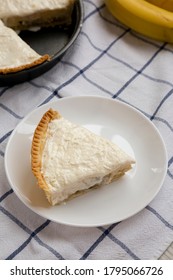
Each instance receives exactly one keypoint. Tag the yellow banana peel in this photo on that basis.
(164, 4)
(146, 18)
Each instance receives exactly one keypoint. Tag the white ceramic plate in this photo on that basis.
(109, 204)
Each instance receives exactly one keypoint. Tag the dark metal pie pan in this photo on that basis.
(53, 41)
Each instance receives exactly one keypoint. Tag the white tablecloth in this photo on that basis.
(107, 59)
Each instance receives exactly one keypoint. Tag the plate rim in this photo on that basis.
(131, 107)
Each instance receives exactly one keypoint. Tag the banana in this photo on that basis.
(144, 17)
(164, 4)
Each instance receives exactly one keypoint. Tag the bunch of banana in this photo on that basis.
(152, 18)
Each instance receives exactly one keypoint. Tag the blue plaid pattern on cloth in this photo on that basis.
(107, 59)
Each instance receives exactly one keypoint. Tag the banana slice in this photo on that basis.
(144, 17)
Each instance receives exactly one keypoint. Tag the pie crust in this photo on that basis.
(25, 66)
(38, 144)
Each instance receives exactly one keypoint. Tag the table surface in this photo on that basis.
(168, 254)
(108, 60)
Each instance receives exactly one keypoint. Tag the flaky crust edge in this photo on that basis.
(36, 62)
(38, 143)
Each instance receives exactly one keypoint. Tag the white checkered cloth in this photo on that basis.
(107, 59)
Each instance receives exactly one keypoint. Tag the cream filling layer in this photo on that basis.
(23, 8)
(75, 159)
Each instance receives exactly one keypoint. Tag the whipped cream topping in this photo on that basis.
(14, 51)
(75, 159)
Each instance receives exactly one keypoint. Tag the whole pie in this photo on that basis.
(15, 54)
(68, 159)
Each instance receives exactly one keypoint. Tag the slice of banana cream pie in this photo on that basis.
(68, 159)
(22, 14)
(15, 54)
